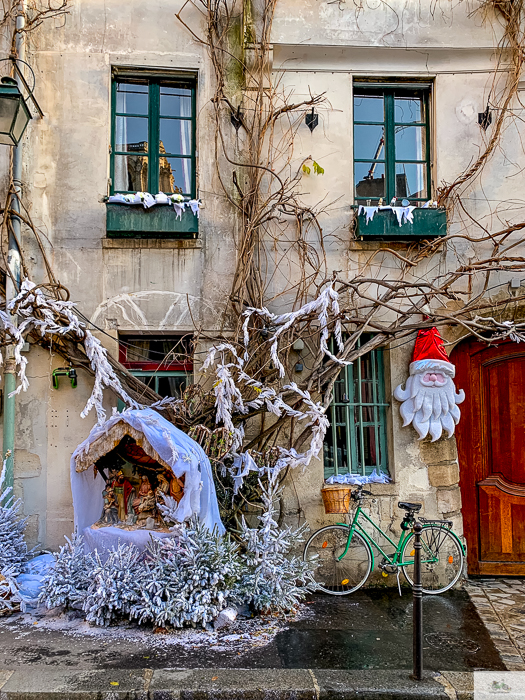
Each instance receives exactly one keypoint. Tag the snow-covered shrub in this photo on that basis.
(13, 548)
(68, 582)
(273, 580)
(115, 585)
(188, 578)
(9, 597)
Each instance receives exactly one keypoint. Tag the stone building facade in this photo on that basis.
(156, 287)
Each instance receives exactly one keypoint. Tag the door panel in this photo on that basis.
(491, 448)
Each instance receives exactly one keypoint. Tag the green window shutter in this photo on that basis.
(356, 441)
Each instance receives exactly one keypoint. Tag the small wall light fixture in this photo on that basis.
(236, 118)
(485, 119)
(311, 119)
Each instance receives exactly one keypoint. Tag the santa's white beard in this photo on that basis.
(430, 409)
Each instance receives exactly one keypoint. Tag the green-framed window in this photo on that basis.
(356, 441)
(153, 135)
(391, 143)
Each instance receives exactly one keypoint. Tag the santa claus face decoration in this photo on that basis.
(429, 400)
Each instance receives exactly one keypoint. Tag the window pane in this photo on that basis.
(131, 174)
(339, 389)
(369, 142)
(411, 180)
(409, 109)
(175, 137)
(175, 102)
(175, 175)
(410, 143)
(369, 180)
(171, 386)
(368, 108)
(132, 98)
(369, 446)
(131, 134)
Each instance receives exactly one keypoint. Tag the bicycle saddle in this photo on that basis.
(415, 507)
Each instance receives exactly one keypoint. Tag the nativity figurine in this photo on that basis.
(144, 504)
(124, 493)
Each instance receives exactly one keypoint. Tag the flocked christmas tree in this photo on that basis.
(188, 578)
(274, 579)
(68, 582)
(13, 548)
(115, 585)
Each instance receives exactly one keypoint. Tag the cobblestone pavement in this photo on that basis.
(500, 603)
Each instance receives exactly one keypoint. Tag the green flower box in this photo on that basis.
(160, 221)
(428, 223)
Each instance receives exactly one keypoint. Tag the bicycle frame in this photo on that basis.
(391, 560)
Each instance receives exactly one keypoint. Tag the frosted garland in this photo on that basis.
(29, 298)
(228, 400)
(328, 300)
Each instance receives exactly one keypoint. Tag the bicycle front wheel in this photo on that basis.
(333, 576)
(441, 559)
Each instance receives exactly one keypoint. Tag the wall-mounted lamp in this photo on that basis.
(485, 119)
(236, 118)
(14, 112)
(311, 119)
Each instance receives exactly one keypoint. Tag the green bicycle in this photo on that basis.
(344, 555)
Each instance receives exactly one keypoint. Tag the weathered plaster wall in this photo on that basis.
(147, 285)
(117, 284)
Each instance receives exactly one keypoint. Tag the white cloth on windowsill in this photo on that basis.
(356, 480)
(400, 212)
(148, 200)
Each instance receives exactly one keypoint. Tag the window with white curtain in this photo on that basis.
(153, 135)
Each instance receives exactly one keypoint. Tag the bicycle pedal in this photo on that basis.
(384, 574)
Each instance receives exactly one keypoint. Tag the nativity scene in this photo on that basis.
(131, 468)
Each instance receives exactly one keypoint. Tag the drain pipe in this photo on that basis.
(13, 262)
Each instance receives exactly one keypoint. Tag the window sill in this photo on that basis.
(158, 222)
(132, 243)
(428, 223)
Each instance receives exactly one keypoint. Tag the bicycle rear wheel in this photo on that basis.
(333, 576)
(441, 559)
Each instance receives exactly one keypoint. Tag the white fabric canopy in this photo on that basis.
(174, 447)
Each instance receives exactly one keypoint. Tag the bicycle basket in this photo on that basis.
(336, 498)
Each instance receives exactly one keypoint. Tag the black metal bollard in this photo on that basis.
(417, 596)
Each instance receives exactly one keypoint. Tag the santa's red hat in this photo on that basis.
(430, 354)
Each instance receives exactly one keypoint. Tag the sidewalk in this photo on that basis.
(338, 648)
(501, 605)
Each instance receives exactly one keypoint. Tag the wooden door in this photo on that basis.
(491, 448)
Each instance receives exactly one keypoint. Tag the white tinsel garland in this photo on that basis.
(328, 300)
(52, 310)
